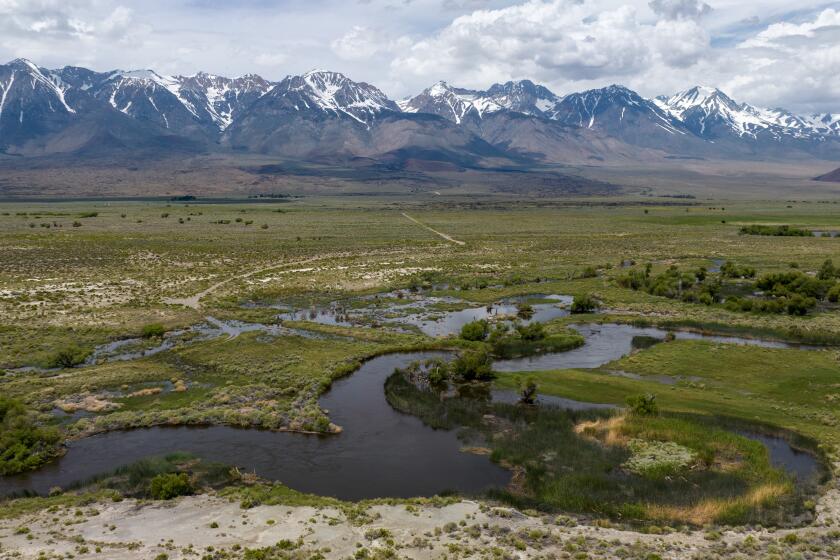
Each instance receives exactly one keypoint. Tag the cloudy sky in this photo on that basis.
(768, 52)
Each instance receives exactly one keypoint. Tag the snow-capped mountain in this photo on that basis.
(462, 105)
(613, 108)
(711, 114)
(33, 101)
(333, 93)
(325, 114)
(218, 98)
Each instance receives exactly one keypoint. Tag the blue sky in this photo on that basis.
(768, 52)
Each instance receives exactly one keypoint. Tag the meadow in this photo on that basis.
(79, 274)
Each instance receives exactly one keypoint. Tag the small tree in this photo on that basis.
(643, 405)
(528, 391)
(473, 365)
(475, 330)
(584, 304)
(68, 356)
(532, 332)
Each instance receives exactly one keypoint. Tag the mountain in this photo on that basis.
(711, 114)
(326, 116)
(830, 177)
(465, 105)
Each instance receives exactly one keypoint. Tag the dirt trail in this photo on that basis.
(436, 232)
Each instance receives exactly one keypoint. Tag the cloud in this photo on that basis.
(556, 40)
(679, 9)
(761, 52)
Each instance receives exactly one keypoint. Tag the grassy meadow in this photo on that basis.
(80, 274)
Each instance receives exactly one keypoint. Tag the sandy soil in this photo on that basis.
(186, 527)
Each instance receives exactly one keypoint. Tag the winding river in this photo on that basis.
(381, 452)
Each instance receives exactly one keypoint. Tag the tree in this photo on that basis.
(643, 405)
(473, 365)
(475, 330)
(532, 332)
(68, 356)
(528, 391)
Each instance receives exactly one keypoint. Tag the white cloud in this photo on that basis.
(680, 9)
(756, 51)
(557, 41)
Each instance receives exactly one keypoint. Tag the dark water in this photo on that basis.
(801, 465)
(381, 453)
(608, 342)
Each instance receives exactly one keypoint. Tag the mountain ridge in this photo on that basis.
(324, 114)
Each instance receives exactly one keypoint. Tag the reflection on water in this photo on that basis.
(380, 453)
(608, 342)
(426, 313)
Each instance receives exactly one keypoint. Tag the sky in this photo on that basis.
(772, 53)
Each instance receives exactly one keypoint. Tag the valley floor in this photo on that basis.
(117, 314)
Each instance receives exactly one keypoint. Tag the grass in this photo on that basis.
(578, 461)
(106, 280)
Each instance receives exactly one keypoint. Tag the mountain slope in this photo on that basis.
(830, 177)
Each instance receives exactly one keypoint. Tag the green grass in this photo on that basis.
(568, 468)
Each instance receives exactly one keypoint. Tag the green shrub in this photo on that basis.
(584, 304)
(475, 330)
(473, 365)
(68, 356)
(532, 332)
(155, 330)
(23, 444)
(643, 405)
(779, 231)
(528, 391)
(168, 486)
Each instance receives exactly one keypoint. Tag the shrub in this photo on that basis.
(68, 357)
(524, 311)
(643, 405)
(23, 444)
(473, 365)
(532, 332)
(168, 486)
(584, 304)
(528, 391)
(155, 330)
(780, 231)
(475, 330)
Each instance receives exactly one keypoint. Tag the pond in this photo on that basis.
(381, 452)
(428, 314)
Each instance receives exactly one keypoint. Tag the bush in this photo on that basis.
(23, 444)
(473, 365)
(532, 332)
(155, 330)
(524, 311)
(168, 486)
(643, 405)
(528, 391)
(68, 357)
(475, 330)
(780, 231)
(584, 304)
